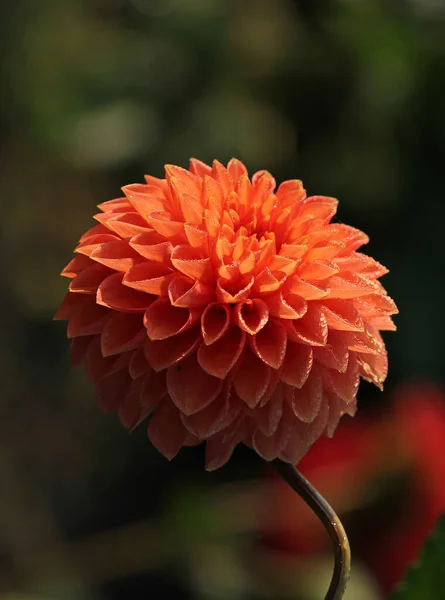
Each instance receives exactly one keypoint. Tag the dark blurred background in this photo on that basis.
(347, 95)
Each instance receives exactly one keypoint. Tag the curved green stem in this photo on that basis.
(330, 521)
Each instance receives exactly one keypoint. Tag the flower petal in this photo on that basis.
(190, 387)
(219, 357)
(251, 379)
(215, 321)
(162, 354)
(166, 431)
(113, 294)
(122, 332)
(150, 277)
(163, 320)
(270, 344)
(251, 315)
(297, 364)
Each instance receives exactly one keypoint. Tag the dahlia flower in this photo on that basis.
(227, 311)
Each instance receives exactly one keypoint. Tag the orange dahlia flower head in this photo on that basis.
(227, 311)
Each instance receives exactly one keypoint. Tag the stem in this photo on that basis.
(330, 521)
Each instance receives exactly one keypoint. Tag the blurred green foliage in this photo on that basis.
(347, 95)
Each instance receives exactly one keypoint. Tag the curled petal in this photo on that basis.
(268, 416)
(144, 198)
(215, 417)
(270, 344)
(190, 387)
(113, 294)
(88, 280)
(167, 226)
(318, 270)
(311, 329)
(251, 315)
(166, 431)
(374, 368)
(345, 385)
(341, 315)
(306, 402)
(308, 291)
(87, 319)
(88, 244)
(215, 321)
(162, 354)
(130, 411)
(124, 225)
(220, 447)
(189, 262)
(251, 379)
(150, 277)
(288, 306)
(335, 354)
(349, 285)
(219, 357)
(117, 255)
(163, 320)
(196, 237)
(77, 265)
(266, 281)
(138, 364)
(185, 292)
(297, 364)
(122, 333)
(152, 246)
(232, 292)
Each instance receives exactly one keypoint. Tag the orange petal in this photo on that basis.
(165, 224)
(87, 319)
(189, 262)
(307, 401)
(196, 237)
(191, 388)
(163, 320)
(166, 431)
(77, 265)
(117, 255)
(199, 168)
(185, 292)
(304, 435)
(231, 292)
(125, 225)
(335, 354)
(162, 354)
(88, 245)
(215, 417)
(144, 198)
(268, 417)
(270, 344)
(374, 368)
(187, 194)
(317, 270)
(297, 364)
(266, 281)
(219, 358)
(152, 246)
(345, 385)
(349, 285)
(215, 321)
(88, 280)
(308, 291)
(121, 205)
(122, 332)
(286, 306)
(114, 294)
(98, 366)
(69, 305)
(311, 329)
(251, 315)
(150, 277)
(236, 170)
(341, 315)
(251, 379)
